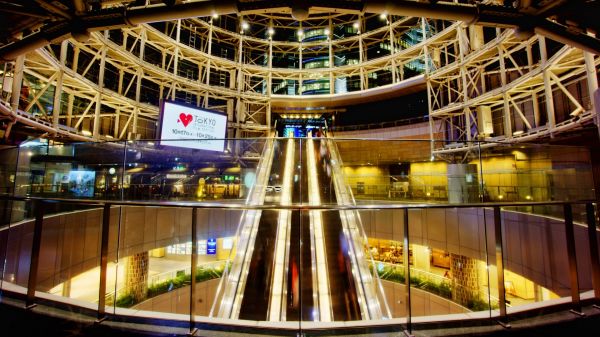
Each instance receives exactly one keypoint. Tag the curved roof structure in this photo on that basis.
(490, 69)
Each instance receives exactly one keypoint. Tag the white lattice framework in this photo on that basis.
(518, 80)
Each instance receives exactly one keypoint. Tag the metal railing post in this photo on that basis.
(406, 261)
(193, 270)
(503, 319)
(594, 258)
(35, 253)
(572, 256)
(103, 263)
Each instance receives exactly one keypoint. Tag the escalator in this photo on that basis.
(343, 300)
(230, 293)
(256, 286)
(368, 288)
(257, 291)
(294, 265)
(300, 277)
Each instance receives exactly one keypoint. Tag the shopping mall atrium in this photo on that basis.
(299, 167)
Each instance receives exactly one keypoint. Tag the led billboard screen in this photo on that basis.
(191, 127)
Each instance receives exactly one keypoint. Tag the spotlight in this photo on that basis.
(326, 31)
(215, 16)
(383, 16)
(300, 32)
(271, 31)
(245, 25)
(356, 25)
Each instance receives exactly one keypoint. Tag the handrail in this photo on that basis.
(301, 206)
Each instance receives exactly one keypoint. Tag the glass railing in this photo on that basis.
(293, 235)
(374, 169)
(424, 263)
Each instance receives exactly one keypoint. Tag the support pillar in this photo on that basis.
(508, 130)
(58, 90)
(592, 83)
(547, 86)
(465, 279)
(98, 107)
(463, 183)
(136, 277)
(17, 82)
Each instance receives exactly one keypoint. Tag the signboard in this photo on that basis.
(191, 127)
(211, 247)
(81, 183)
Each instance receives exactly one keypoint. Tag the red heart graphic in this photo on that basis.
(185, 119)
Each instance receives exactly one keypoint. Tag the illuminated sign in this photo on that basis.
(211, 246)
(190, 127)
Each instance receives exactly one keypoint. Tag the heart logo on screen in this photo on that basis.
(185, 119)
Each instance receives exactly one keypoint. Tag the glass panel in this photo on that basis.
(4, 233)
(8, 173)
(354, 276)
(535, 173)
(19, 236)
(536, 265)
(216, 245)
(582, 245)
(154, 260)
(406, 171)
(154, 172)
(448, 264)
(69, 257)
(385, 235)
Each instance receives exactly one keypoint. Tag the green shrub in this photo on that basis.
(394, 274)
(180, 280)
(125, 301)
(477, 304)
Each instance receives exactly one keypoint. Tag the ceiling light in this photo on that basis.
(356, 25)
(383, 16)
(245, 25)
(300, 32)
(271, 31)
(215, 16)
(326, 31)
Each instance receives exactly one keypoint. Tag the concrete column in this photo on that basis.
(463, 183)
(476, 37)
(17, 83)
(136, 276)
(465, 279)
